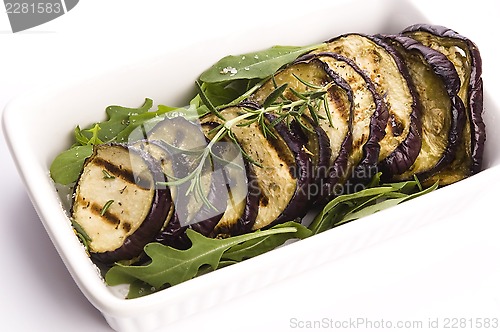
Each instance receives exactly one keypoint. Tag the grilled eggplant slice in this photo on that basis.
(443, 112)
(117, 202)
(240, 213)
(183, 140)
(339, 100)
(172, 233)
(281, 166)
(465, 56)
(384, 66)
(369, 118)
(164, 159)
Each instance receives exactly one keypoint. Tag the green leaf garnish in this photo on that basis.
(66, 167)
(256, 247)
(260, 64)
(172, 266)
(349, 207)
(118, 120)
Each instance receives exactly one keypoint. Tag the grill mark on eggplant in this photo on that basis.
(119, 171)
(283, 150)
(339, 102)
(107, 216)
(126, 226)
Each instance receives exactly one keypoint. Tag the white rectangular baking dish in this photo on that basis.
(83, 102)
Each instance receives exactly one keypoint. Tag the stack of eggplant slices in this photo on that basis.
(402, 105)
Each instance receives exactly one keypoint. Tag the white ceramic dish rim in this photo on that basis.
(27, 147)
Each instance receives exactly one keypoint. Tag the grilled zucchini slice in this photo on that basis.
(443, 113)
(117, 202)
(384, 66)
(465, 56)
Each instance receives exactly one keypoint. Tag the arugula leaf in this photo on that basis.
(259, 246)
(345, 208)
(172, 266)
(260, 64)
(118, 120)
(234, 254)
(66, 167)
(341, 205)
(387, 203)
(225, 92)
(146, 120)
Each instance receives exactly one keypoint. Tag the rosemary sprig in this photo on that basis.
(106, 207)
(285, 110)
(107, 175)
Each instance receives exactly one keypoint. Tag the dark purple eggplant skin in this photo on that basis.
(444, 69)
(324, 152)
(217, 196)
(182, 165)
(246, 221)
(337, 183)
(338, 173)
(475, 94)
(335, 176)
(367, 167)
(134, 244)
(301, 169)
(406, 153)
(174, 235)
(300, 202)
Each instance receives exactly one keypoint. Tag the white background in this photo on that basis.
(448, 269)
